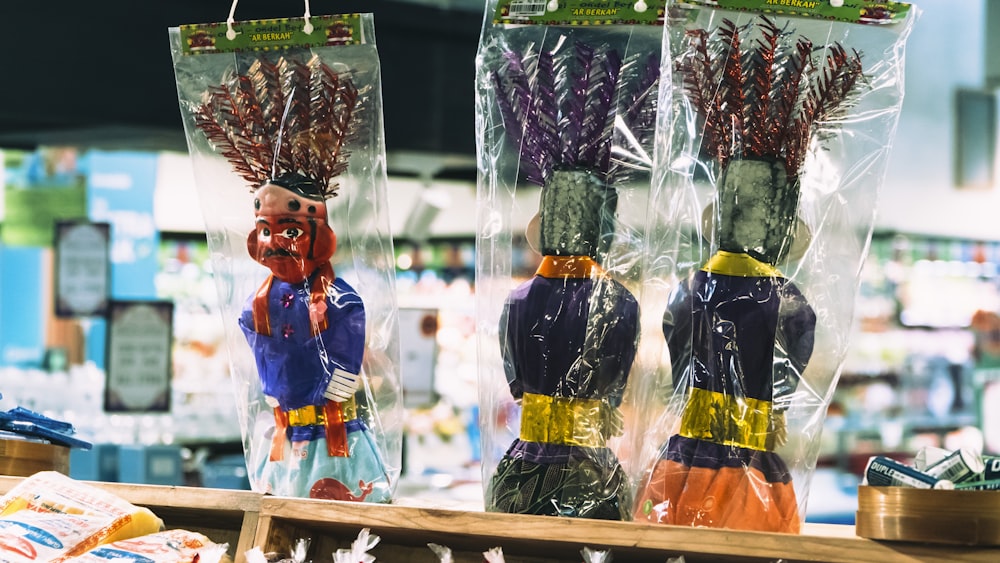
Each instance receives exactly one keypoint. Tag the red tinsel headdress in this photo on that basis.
(764, 97)
(287, 117)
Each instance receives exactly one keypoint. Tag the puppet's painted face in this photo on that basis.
(292, 237)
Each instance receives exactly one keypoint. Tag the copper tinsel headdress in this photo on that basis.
(764, 99)
(282, 118)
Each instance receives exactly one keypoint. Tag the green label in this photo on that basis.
(580, 12)
(851, 11)
(993, 485)
(271, 35)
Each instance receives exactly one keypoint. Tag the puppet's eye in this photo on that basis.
(292, 232)
(265, 232)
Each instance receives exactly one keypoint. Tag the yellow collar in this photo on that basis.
(739, 264)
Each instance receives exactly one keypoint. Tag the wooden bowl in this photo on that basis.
(929, 515)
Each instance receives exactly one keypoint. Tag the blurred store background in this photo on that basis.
(90, 129)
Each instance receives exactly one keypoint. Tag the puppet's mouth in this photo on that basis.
(278, 253)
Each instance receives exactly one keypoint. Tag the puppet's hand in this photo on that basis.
(271, 401)
(779, 430)
(317, 312)
(614, 421)
(342, 386)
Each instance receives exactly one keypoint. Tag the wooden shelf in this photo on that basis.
(405, 532)
(245, 519)
(225, 516)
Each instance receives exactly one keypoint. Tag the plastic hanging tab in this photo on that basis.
(230, 32)
(308, 28)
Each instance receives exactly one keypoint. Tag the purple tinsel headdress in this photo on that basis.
(561, 110)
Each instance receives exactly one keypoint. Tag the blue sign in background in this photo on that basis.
(22, 324)
(120, 188)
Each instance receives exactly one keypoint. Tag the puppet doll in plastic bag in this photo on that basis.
(740, 331)
(568, 336)
(286, 123)
(305, 325)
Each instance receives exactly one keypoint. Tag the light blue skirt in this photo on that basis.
(306, 469)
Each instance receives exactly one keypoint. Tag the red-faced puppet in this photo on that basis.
(292, 237)
(283, 127)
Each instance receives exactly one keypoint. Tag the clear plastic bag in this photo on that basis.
(771, 150)
(564, 126)
(289, 158)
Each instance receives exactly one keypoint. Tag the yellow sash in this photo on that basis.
(562, 420)
(724, 419)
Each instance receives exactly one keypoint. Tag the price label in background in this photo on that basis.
(139, 343)
(82, 268)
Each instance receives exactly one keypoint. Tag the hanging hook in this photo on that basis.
(308, 28)
(230, 32)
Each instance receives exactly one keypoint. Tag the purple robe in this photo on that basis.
(294, 366)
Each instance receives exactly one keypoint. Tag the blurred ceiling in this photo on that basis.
(99, 74)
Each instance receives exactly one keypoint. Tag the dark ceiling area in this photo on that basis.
(99, 74)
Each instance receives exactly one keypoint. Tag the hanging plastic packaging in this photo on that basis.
(566, 104)
(774, 144)
(284, 126)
